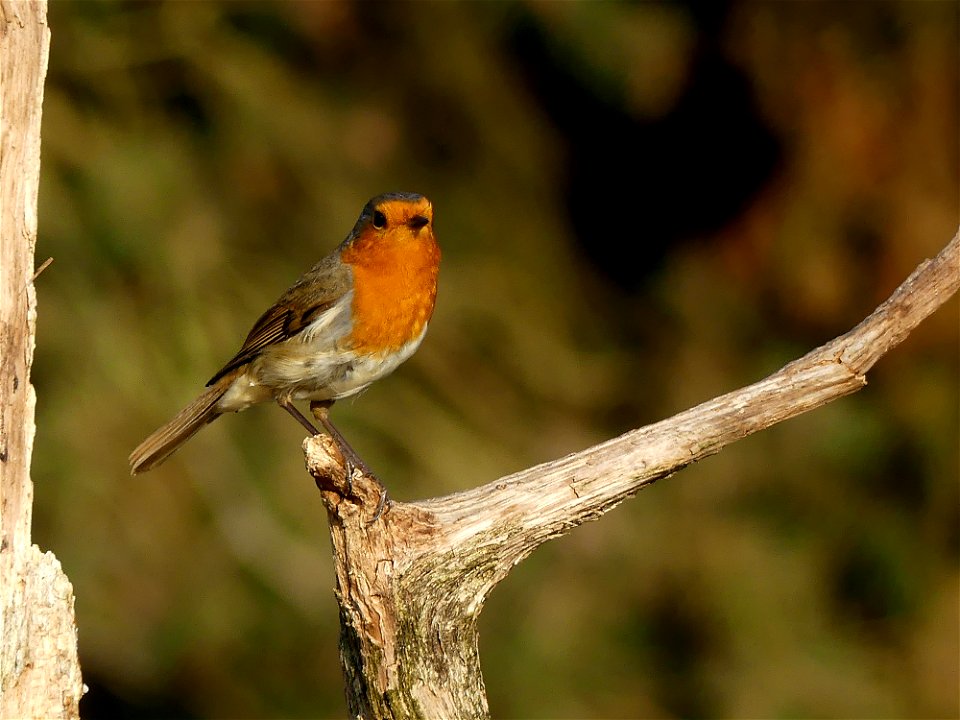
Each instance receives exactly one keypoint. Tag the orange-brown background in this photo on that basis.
(641, 206)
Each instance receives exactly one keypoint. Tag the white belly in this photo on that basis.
(313, 365)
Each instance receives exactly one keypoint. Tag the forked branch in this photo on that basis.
(411, 585)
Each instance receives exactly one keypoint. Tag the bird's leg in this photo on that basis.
(349, 454)
(287, 405)
(321, 411)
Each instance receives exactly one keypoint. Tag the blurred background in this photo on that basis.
(641, 206)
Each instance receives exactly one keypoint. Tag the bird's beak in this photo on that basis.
(418, 221)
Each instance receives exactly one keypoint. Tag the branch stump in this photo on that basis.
(411, 583)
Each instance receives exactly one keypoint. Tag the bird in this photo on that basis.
(351, 319)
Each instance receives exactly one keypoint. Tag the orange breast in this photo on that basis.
(394, 290)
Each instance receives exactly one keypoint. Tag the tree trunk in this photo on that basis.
(411, 582)
(39, 672)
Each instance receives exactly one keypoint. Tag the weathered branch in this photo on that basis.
(411, 584)
(39, 672)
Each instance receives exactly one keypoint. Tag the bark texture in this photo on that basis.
(39, 672)
(411, 583)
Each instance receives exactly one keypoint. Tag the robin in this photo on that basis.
(350, 320)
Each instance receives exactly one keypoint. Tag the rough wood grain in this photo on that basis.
(411, 584)
(39, 672)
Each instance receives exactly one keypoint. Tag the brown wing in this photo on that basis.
(313, 293)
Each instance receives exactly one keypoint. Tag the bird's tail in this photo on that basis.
(164, 442)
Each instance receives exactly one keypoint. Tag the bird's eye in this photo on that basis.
(379, 220)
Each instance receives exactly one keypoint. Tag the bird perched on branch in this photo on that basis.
(350, 320)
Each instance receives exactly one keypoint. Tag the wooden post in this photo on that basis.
(39, 671)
